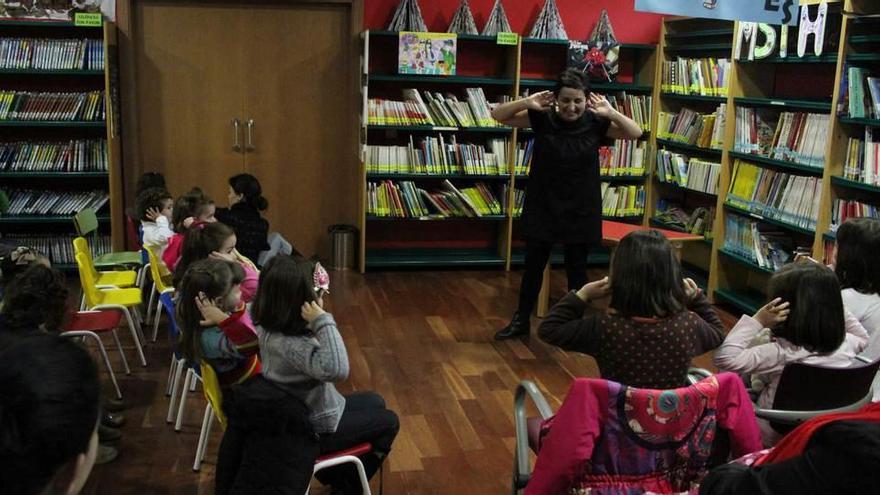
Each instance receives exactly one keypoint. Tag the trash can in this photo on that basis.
(343, 239)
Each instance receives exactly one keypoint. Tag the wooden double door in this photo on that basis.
(266, 88)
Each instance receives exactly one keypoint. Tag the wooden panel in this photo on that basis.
(189, 88)
(299, 92)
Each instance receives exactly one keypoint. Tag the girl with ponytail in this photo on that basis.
(215, 241)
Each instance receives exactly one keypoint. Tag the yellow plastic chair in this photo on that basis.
(124, 300)
(214, 408)
(120, 279)
(161, 285)
(86, 222)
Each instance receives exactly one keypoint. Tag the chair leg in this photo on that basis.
(171, 369)
(102, 350)
(207, 419)
(135, 333)
(150, 304)
(156, 317)
(121, 352)
(346, 459)
(193, 383)
(183, 392)
(207, 438)
(175, 389)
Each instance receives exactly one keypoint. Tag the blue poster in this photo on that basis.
(766, 11)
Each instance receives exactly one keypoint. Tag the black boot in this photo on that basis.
(518, 327)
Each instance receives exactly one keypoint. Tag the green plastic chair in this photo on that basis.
(86, 223)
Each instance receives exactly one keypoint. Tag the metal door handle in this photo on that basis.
(250, 136)
(236, 131)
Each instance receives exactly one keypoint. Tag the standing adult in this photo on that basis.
(563, 201)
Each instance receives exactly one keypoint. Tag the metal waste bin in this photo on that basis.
(343, 238)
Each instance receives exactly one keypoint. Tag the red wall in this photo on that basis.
(578, 16)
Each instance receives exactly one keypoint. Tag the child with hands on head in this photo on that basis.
(155, 208)
(216, 241)
(192, 209)
(656, 321)
(807, 323)
(303, 352)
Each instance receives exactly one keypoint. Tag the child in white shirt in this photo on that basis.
(154, 208)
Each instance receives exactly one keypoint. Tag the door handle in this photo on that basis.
(236, 132)
(250, 136)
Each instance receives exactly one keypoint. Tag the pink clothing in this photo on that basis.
(736, 355)
(617, 439)
(251, 279)
(172, 252)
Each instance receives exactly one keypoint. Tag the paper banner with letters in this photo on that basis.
(426, 53)
(766, 11)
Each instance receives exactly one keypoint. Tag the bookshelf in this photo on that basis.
(71, 157)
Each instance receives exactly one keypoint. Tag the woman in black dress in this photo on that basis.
(563, 200)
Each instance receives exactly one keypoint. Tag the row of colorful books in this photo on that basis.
(406, 200)
(785, 197)
(79, 155)
(26, 105)
(59, 247)
(675, 216)
(691, 173)
(843, 209)
(637, 107)
(797, 137)
(693, 128)
(860, 93)
(863, 158)
(623, 201)
(767, 248)
(519, 199)
(434, 110)
(40, 202)
(624, 157)
(445, 155)
(696, 76)
(51, 54)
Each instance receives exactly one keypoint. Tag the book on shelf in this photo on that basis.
(693, 128)
(519, 199)
(863, 158)
(637, 107)
(624, 157)
(785, 197)
(440, 155)
(434, 110)
(797, 137)
(696, 76)
(860, 97)
(842, 209)
(59, 247)
(78, 155)
(37, 202)
(690, 173)
(768, 248)
(37, 106)
(698, 221)
(51, 54)
(523, 160)
(622, 201)
(406, 200)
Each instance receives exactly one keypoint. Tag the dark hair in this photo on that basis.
(248, 186)
(646, 276)
(35, 297)
(192, 204)
(572, 78)
(149, 180)
(17, 261)
(213, 277)
(815, 319)
(858, 245)
(286, 283)
(151, 198)
(48, 410)
(198, 243)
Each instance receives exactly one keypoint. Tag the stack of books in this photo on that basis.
(523, 163)
(698, 221)
(693, 128)
(433, 110)
(860, 93)
(863, 159)
(440, 155)
(769, 249)
(79, 155)
(623, 201)
(636, 107)
(842, 209)
(59, 247)
(36, 202)
(405, 200)
(519, 199)
(51, 54)
(29, 105)
(789, 198)
(703, 76)
(690, 173)
(624, 157)
(799, 137)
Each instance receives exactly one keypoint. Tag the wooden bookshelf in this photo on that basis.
(110, 216)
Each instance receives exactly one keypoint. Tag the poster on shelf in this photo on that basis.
(766, 11)
(427, 53)
(55, 10)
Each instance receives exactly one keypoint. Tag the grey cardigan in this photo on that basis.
(307, 366)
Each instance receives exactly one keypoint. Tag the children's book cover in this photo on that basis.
(427, 53)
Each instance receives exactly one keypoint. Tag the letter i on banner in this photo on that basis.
(783, 41)
(816, 28)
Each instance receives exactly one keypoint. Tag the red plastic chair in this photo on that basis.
(88, 324)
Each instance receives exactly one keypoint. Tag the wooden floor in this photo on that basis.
(421, 339)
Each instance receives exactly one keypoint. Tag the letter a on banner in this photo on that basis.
(816, 28)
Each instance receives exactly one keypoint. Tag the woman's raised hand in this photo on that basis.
(540, 101)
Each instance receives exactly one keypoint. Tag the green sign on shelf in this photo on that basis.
(87, 20)
(507, 38)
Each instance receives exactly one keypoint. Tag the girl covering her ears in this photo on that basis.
(303, 352)
(192, 209)
(216, 241)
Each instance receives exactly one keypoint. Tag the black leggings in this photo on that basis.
(537, 255)
(365, 419)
